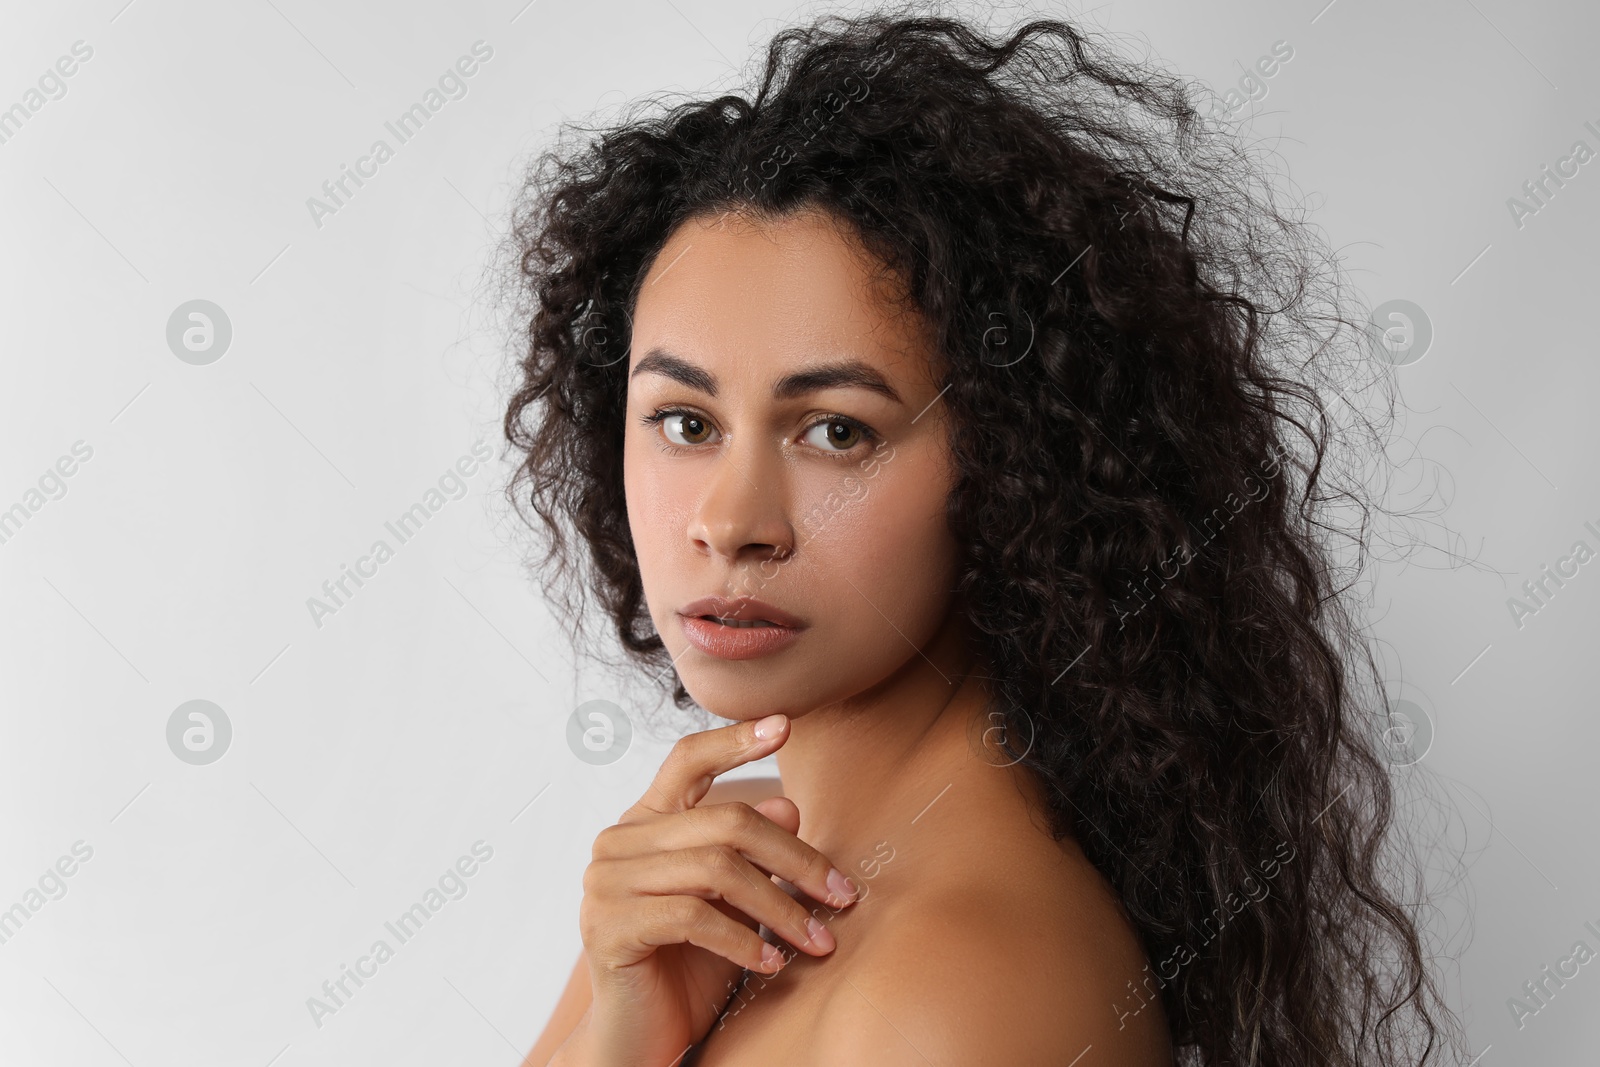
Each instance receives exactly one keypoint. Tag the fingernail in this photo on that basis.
(840, 886)
(768, 728)
(771, 957)
(820, 935)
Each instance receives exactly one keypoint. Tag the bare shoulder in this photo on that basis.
(997, 970)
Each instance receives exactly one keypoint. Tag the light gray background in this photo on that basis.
(368, 754)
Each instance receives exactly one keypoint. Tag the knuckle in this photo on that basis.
(693, 873)
(687, 913)
(605, 842)
(741, 819)
(679, 756)
(713, 857)
(594, 876)
(687, 868)
(592, 920)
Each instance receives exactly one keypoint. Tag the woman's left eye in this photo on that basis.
(837, 434)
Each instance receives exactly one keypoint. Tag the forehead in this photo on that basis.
(764, 296)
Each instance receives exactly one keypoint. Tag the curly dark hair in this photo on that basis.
(1141, 352)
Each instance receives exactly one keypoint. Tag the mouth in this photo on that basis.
(738, 624)
(741, 612)
(739, 628)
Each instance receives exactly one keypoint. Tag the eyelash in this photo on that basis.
(660, 414)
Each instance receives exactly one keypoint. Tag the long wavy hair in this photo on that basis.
(1143, 355)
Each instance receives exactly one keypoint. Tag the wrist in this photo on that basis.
(595, 1043)
(578, 1050)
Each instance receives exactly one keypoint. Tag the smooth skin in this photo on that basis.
(786, 439)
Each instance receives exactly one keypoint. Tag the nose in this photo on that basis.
(742, 516)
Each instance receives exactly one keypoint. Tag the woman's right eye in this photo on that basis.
(683, 428)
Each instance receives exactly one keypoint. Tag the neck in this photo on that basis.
(860, 771)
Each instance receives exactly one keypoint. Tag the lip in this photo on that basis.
(737, 643)
(744, 608)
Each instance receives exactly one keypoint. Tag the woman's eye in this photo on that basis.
(836, 435)
(686, 429)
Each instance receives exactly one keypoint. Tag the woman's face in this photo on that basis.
(798, 457)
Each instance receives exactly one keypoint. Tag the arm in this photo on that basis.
(569, 1010)
(573, 1006)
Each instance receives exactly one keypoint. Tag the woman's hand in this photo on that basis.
(675, 893)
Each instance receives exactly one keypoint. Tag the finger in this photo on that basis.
(735, 914)
(717, 872)
(696, 760)
(773, 848)
(640, 837)
(625, 840)
(782, 812)
(680, 920)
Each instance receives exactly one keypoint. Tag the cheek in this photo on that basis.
(635, 484)
(654, 506)
(892, 542)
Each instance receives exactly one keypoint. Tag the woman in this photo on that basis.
(925, 414)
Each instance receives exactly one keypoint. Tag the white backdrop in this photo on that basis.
(416, 730)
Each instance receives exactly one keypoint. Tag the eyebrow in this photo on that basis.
(842, 374)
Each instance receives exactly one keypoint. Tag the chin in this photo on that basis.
(740, 704)
(750, 692)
